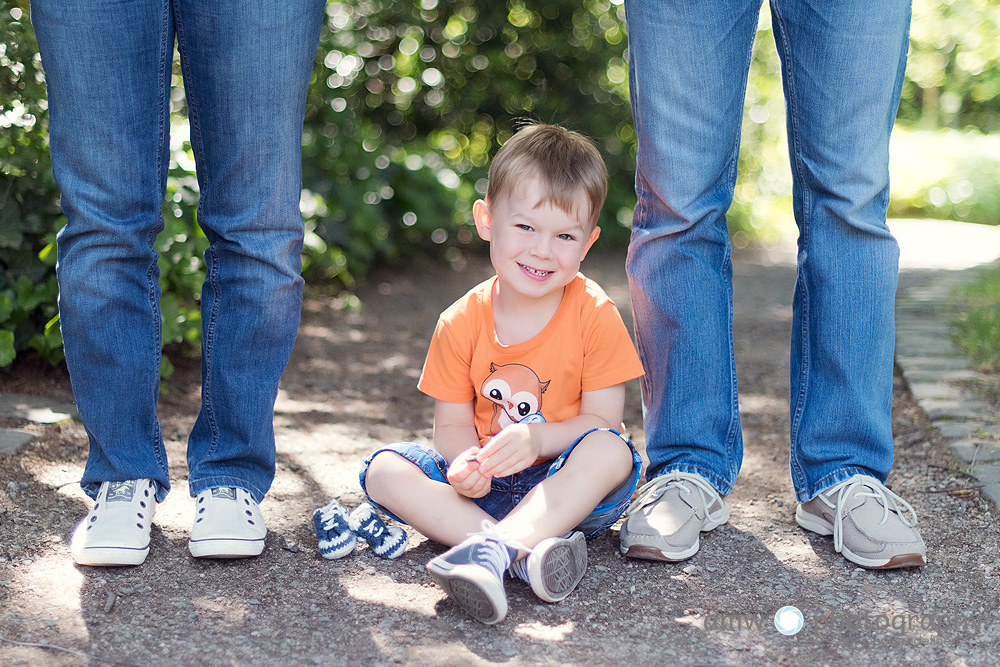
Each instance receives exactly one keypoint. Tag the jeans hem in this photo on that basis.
(93, 488)
(722, 486)
(198, 486)
(833, 479)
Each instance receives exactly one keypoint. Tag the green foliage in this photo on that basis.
(953, 68)
(977, 325)
(411, 98)
(29, 211)
(945, 174)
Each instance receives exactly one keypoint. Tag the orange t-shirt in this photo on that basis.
(584, 347)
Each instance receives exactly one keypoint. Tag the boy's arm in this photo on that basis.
(520, 445)
(454, 428)
(456, 439)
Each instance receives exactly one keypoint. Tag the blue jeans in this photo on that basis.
(842, 68)
(246, 68)
(507, 492)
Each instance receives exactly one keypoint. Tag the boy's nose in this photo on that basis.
(542, 248)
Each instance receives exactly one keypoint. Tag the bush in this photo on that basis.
(29, 211)
(945, 174)
(410, 99)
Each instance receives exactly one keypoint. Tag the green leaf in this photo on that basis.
(7, 351)
(6, 308)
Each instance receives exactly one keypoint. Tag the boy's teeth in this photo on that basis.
(535, 271)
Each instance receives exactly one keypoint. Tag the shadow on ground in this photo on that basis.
(350, 387)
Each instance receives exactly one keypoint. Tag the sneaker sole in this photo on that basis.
(651, 552)
(647, 552)
(223, 548)
(472, 590)
(821, 526)
(558, 570)
(110, 556)
(811, 522)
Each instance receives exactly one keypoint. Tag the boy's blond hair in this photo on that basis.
(567, 163)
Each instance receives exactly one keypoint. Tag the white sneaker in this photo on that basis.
(227, 524)
(116, 530)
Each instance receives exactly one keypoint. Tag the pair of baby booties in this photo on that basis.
(338, 531)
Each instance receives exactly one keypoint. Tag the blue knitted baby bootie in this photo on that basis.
(333, 530)
(385, 541)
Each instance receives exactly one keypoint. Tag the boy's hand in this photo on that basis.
(465, 476)
(510, 451)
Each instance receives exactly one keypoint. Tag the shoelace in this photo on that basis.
(652, 490)
(331, 518)
(884, 496)
(496, 560)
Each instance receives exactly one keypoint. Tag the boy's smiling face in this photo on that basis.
(536, 248)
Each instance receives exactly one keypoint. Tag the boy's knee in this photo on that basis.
(608, 451)
(385, 468)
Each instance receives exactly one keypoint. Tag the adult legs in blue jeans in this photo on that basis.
(246, 68)
(842, 69)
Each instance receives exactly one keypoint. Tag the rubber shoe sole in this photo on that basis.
(226, 548)
(472, 588)
(111, 556)
(652, 553)
(556, 566)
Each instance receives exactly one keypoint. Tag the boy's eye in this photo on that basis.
(526, 228)
(567, 237)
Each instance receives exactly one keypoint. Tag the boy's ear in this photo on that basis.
(481, 214)
(590, 242)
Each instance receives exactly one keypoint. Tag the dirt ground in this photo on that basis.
(351, 386)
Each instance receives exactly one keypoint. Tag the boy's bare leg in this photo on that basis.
(598, 465)
(434, 509)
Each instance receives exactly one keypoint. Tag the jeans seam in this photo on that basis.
(734, 415)
(211, 257)
(798, 476)
(166, 51)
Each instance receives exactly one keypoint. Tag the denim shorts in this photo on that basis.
(506, 492)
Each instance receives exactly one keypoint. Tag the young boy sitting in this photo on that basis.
(527, 370)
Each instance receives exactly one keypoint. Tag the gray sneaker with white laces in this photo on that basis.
(472, 574)
(667, 518)
(871, 525)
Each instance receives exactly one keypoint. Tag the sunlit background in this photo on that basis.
(410, 98)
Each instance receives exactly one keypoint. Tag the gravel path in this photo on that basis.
(350, 387)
